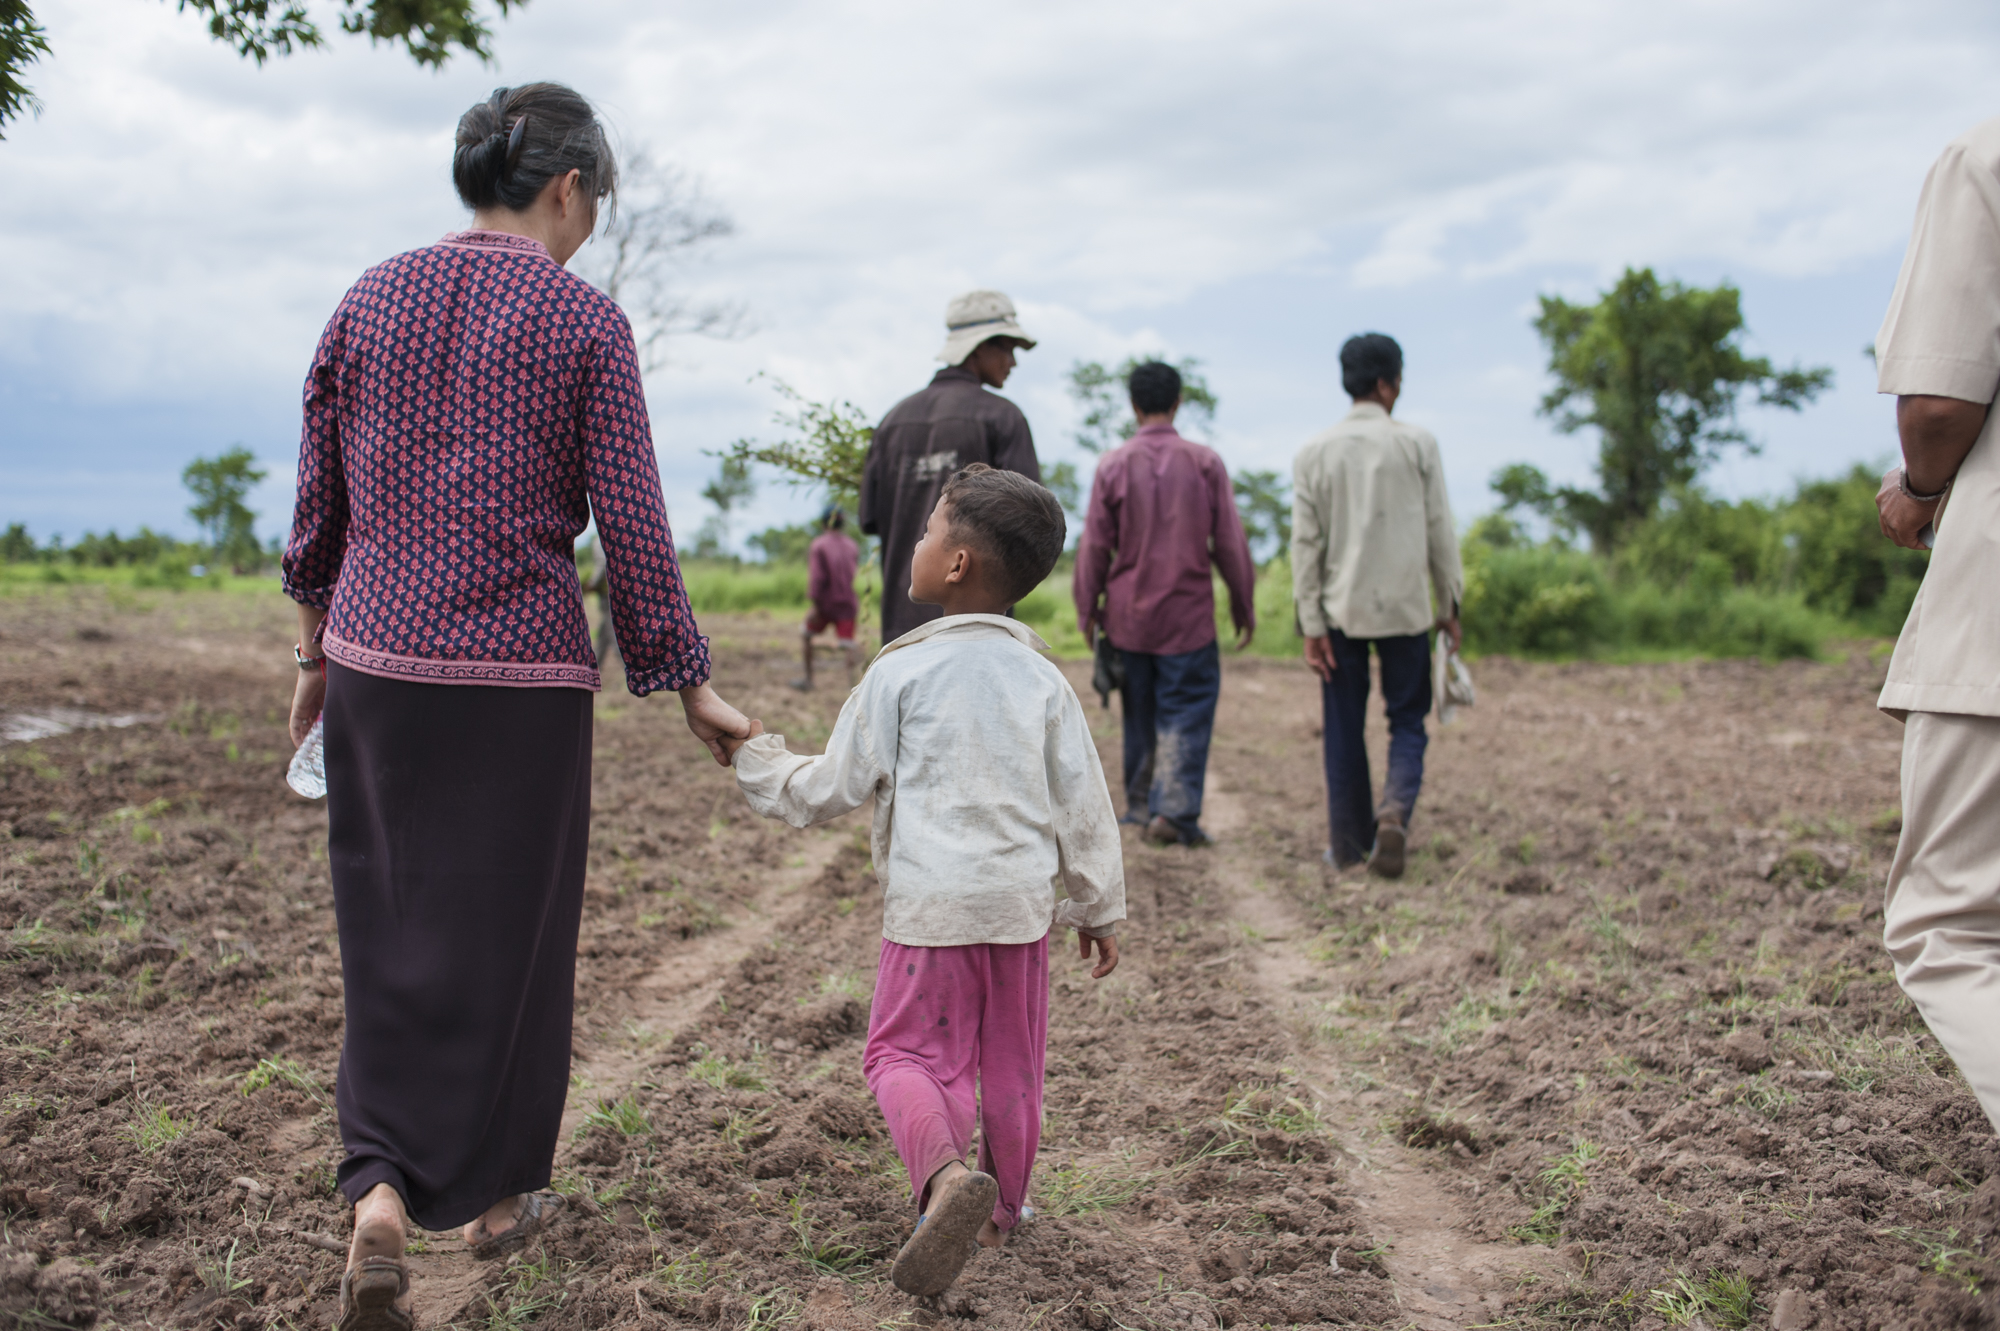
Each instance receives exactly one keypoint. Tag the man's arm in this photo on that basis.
(1937, 433)
(1309, 535)
(1231, 553)
(1093, 552)
(871, 509)
(1441, 536)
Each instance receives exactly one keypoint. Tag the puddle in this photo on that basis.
(23, 727)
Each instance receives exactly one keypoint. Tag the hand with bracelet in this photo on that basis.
(1936, 433)
(309, 694)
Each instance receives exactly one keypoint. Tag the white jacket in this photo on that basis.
(990, 802)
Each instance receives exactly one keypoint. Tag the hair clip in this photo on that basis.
(515, 142)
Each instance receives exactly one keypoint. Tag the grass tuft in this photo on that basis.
(1720, 1298)
(282, 1072)
(153, 1126)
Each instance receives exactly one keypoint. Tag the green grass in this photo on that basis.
(154, 1126)
(623, 1116)
(715, 1070)
(827, 1252)
(1942, 1254)
(282, 1072)
(1561, 1184)
(1719, 1298)
(30, 579)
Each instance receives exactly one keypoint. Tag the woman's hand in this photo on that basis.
(710, 718)
(308, 700)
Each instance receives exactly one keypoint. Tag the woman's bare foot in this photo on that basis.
(380, 1225)
(500, 1217)
(991, 1235)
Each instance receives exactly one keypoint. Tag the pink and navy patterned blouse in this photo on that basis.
(471, 405)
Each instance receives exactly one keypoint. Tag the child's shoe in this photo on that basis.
(946, 1236)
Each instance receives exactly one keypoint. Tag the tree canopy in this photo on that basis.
(1107, 411)
(431, 31)
(219, 485)
(1657, 368)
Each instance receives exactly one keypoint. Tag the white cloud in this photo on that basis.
(1177, 176)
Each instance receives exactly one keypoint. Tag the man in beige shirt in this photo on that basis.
(1939, 352)
(1372, 540)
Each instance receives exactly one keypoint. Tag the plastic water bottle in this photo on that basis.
(307, 774)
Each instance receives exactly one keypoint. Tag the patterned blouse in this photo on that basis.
(469, 408)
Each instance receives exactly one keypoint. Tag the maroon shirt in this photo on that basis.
(470, 407)
(1161, 510)
(830, 563)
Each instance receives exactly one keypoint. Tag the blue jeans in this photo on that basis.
(1169, 704)
(1406, 695)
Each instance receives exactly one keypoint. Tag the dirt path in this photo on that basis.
(1445, 1275)
(1620, 1050)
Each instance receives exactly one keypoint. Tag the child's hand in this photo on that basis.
(1107, 951)
(730, 744)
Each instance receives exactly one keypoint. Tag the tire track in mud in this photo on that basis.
(1445, 1276)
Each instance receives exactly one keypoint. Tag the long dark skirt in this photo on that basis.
(459, 818)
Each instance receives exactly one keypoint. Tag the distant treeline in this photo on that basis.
(1752, 578)
(144, 549)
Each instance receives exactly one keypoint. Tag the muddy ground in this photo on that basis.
(1621, 1049)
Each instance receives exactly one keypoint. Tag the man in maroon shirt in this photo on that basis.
(830, 563)
(1161, 511)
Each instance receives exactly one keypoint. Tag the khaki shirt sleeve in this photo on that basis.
(1309, 532)
(1941, 335)
(1441, 534)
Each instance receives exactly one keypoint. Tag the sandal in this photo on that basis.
(373, 1296)
(946, 1236)
(537, 1210)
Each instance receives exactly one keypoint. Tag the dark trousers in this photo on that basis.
(1169, 705)
(1406, 695)
(458, 821)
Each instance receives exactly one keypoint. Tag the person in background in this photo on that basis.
(1372, 545)
(989, 802)
(830, 563)
(1939, 352)
(930, 435)
(1161, 513)
(469, 407)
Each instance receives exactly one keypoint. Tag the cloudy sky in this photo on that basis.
(1248, 183)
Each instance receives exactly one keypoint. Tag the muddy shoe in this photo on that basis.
(946, 1236)
(1387, 859)
(374, 1296)
(536, 1211)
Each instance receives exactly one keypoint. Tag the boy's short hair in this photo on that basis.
(1011, 520)
(1367, 360)
(1155, 387)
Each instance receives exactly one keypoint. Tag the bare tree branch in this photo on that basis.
(642, 255)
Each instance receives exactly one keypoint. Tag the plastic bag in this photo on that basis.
(307, 774)
(1451, 682)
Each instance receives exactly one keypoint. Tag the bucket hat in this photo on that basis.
(972, 318)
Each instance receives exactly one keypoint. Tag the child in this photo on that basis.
(990, 802)
(830, 562)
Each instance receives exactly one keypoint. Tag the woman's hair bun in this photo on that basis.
(511, 145)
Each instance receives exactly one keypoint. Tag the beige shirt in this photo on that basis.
(1941, 337)
(992, 818)
(1372, 534)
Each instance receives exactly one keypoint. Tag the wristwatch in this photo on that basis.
(308, 662)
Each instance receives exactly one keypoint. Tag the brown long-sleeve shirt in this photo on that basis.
(923, 440)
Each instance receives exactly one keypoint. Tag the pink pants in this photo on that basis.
(943, 1016)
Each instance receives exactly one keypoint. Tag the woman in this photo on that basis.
(470, 407)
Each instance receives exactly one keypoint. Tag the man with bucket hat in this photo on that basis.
(930, 435)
